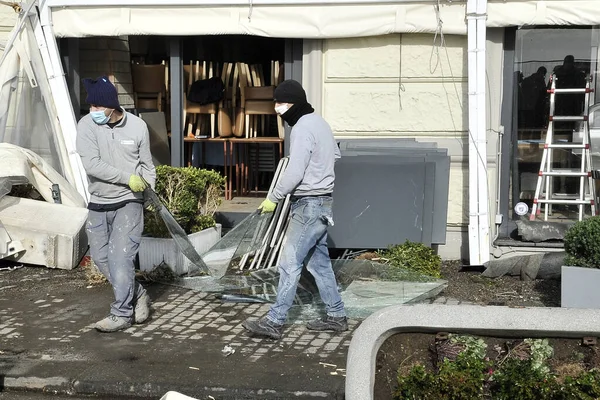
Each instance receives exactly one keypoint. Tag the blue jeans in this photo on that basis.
(306, 242)
(114, 238)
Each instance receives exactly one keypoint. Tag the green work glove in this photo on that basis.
(267, 206)
(136, 183)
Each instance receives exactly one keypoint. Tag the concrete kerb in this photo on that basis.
(473, 319)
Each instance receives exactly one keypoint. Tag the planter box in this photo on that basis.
(154, 251)
(579, 287)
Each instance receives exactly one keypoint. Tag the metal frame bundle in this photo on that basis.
(270, 251)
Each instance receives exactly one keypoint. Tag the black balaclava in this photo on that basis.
(290, 91)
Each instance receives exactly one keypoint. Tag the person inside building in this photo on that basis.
(309, 178)
(568, 76)
(115, 152)
(532, 103)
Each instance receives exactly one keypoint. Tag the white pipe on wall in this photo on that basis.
(479, 246)
(482, 172)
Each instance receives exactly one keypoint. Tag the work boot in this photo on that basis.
(142, 309)
(264, 327)
(329, 323)
(112, 323)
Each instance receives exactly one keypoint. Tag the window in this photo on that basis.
(572, 55)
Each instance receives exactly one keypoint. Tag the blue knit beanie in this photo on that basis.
(101, 92)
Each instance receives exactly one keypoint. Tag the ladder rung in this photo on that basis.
(568, 118)
(567, 146)
(564, 173)
(575, 90)
(566, 196)
(554, 201)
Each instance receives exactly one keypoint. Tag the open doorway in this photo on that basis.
(236, 133)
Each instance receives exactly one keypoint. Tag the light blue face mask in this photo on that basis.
(99, 117)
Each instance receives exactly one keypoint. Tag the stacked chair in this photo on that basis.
(246, 104)
(150, 86)
(194, 113)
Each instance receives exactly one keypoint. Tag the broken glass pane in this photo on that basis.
(365, 286)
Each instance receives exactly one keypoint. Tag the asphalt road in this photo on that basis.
(44, 396)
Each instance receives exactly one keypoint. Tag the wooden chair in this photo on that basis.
(192, 73)
(149, 86)
(256, 101)
(230, 114)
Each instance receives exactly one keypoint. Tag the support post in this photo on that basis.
(176, 79)
(70, 53)
(292, 70)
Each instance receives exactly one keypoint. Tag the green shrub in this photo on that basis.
(585, 386)
(582, 243)
(414, 257)
(529, 378)
(521, 373)
(461, 379)
(192, 195)
(517, 379)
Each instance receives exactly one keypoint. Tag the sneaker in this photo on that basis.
(112, 323)
(142, 309)
(329, 323)
(264, 327)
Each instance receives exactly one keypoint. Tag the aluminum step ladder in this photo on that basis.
(544, 193)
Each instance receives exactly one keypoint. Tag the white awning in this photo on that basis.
(309, 22)
(308, 19)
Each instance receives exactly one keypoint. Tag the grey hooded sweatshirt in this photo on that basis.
(111, 155)
(313, 152)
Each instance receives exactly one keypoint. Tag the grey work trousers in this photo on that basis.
(114, 238)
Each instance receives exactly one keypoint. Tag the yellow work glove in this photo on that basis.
(136, 183)
(267, 206)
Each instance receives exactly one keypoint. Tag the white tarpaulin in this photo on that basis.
(28, 105)
(25, 120)
(310, 21)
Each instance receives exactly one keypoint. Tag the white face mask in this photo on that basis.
(281, 109)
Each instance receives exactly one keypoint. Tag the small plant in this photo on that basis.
(582, 243)
(415, 257)
(460, 378)
(473, 346)
(192, 195)
(524, 373)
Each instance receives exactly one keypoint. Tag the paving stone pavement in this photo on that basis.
(48, 342)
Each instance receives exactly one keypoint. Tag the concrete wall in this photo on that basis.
(107, 56)
(8, 18)
(408, 86)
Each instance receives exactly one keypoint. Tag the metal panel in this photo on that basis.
(404, 150)
(379, 200)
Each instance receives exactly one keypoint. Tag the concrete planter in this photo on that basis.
(154, 251)
(534, 322)
(579, 287)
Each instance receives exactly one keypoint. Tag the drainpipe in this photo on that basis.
(479, 226)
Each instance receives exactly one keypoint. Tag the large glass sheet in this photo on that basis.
(365, 286)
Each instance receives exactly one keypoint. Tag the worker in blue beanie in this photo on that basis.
(114, 148)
